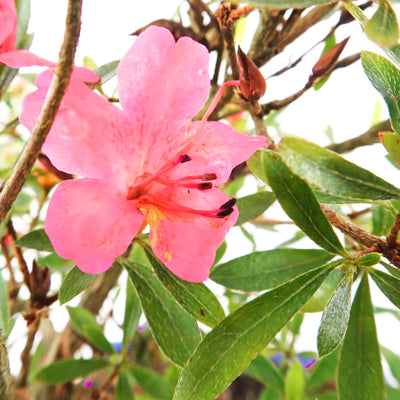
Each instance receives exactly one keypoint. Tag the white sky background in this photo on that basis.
(346, 103)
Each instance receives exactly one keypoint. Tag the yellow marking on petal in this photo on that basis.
(102, 242)
(168, 256)
(200, 72)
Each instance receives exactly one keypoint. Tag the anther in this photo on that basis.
(184, 158)
(229, 204)
(208, 177)
(204, 186)
(225, 212)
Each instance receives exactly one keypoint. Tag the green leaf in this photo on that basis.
(264, 371)
(335, 319)
(386, 79)
(321, 297)
(394, 362)
(252, 206)
(195, 298)
(283, 4)
(68, 370)
(267, 269)
(360, 374)
(369, 260)
(4, 311)
(133, 311)
(299, 202)
(95, 336)
(23, 8)
(333, 174)
(226, 351)
(74, 283)
(389, 285)
(391, 141)
(37, 240)
(123, 390)
(383, 27)
(356, 12)
(294, 382)
(151, 383)
(84, 323)
(382, 221)
(392, 393)
(324, 370)
(107, 71)
(175, 331)
(80, 318)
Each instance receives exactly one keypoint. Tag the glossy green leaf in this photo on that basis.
(386, 79)
(175, 331)
(360, 374)
(333, 174)
(74, 283)
(389, 285)
(227, 350)
(195, 298)
(392, 270)
(382, 220)
(151, 383)
(327, 198)
(123, 390)
(391, 141)
(133, 311)
(321, 297)
(283, 4)
(294, 382)
(37, 240)
(335, 319)
(383, 27)
(96, 337)
(4, 311)
(356, 12)
(267, 269)
(298, 201)
(68, 370)
(252, 206)
(264, 371)
(394, 362)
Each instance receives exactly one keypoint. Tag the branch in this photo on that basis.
(367, 138)
(51, 104)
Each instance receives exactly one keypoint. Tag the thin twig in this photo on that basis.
(5, 392)
(366, 139)
(49, 110)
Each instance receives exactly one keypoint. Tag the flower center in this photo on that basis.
(141, 191)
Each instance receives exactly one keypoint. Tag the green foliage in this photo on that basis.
(195, 298)
(294, 382)
(389, 285)
(233, 343)
(360, 371)
(335, 319)
(297, 199)
(386, 79)
(175, 331)
(68, 370)
(264, 371)
(74, 283)
(267, 269)
(282, 4)
(37, 240)
(333, 174)
(252, 206)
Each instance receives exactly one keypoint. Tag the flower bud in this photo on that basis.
(252, 83)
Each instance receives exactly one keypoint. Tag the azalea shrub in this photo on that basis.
(152, 194)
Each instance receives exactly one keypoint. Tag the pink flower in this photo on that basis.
(143, 164)
(8, 25)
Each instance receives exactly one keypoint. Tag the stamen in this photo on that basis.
(225, 213)
(183, 159)
(229, 204)
(208, 177)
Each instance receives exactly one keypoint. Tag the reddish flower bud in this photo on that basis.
(252, 83)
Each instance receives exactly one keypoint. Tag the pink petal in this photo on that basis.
(162, 85)
(85, 137)
(187, 243)
(88, 224)
(217, 149)
(24, 58)
(8, 26)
